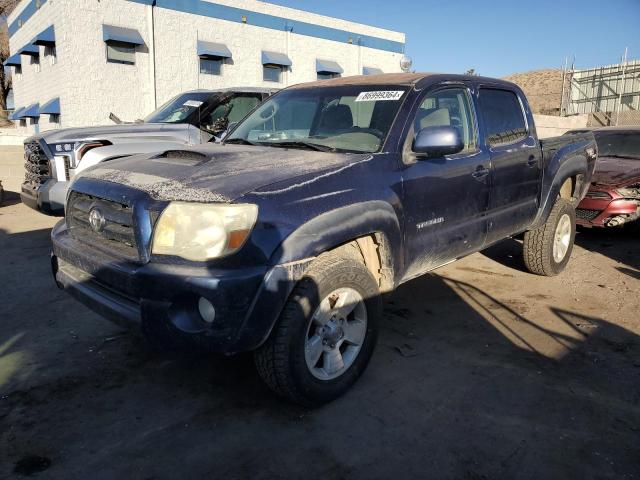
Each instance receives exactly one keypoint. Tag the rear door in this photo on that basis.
(516, 160)
(445, 199)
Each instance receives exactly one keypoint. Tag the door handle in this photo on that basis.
(480, 172)
(532, 162)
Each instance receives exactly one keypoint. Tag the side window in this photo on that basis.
(232, 111)
(450, 107)
(503, 116)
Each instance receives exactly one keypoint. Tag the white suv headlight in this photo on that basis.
(201, 231)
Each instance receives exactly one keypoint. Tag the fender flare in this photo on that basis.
(291, 260)
(558, 174)
(339, 226)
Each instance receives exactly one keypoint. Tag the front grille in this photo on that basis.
(67, 166)
(116, 234)
(598, 195)
(36, 164)
(588, 215)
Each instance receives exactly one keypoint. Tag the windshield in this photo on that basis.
(618, 144)
(348, 118)
(178, 109)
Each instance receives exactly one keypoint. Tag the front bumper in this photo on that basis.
(247, 301)
(594, 212)
(47, 198)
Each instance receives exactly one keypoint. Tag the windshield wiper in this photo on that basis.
(240, 141)
(301, 144)
(613, 155)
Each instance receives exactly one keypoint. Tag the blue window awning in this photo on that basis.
(273, 58)
(30, 49)
(217, 50)
(121, 35)
(46, 38)
(371, 71)
(32, 111)
(327, 66)
(52, 107)
(15, 115)
(13, 61)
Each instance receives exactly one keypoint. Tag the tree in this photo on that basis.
(6, 6)
(471, 71)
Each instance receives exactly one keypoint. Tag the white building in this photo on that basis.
(75, 61)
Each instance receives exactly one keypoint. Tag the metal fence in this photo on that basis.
(609, 94)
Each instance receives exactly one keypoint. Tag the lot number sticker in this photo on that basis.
(192, 103)
(379, 96)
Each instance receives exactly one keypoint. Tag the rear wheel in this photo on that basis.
(547, 249)
(326, 334)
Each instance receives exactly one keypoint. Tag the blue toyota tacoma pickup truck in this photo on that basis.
(281, 240)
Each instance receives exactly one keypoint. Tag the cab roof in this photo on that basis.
(403, 79)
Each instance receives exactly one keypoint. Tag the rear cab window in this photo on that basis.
(504, 117)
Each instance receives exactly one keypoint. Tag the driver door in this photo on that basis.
(445, 198)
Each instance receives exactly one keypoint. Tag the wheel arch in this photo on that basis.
(372, 229)
(564, 180)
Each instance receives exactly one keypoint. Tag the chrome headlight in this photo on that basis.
(201, 231)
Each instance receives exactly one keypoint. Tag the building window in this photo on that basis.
(17, 70)
(124, 53)
(211, 66)
(54, 118)
(272, 73)
(35, 61)
(328, 76)
(50, 53)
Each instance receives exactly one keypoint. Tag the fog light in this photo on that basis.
(207, 310)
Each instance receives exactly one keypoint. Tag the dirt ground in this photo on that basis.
(482, 372)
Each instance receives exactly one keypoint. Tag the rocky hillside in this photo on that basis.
(543, 88)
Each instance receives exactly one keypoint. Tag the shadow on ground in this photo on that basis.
(619, 244)
(461, 386)
(10, 198)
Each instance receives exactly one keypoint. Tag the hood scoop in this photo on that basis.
(181, 157)
(183, 154)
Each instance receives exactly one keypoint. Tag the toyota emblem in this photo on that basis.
(96, 220)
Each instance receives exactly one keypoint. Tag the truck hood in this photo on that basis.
(218, 173)
(616, 172)
(127, 132)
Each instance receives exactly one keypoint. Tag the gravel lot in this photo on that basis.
(482, 372)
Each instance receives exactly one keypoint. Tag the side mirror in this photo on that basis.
(438, 141)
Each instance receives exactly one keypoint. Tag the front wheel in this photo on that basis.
(547, 249)
(326, 334)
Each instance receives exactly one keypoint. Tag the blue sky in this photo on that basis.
(498, 37)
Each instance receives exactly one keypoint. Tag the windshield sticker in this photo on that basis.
(192, 103)
(379, 96)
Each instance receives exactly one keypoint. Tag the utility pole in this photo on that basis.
(564, 76)
(624, 71)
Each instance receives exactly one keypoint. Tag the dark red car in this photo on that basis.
(613, 199)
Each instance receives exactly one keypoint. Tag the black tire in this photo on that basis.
(281, 359)
(538, 244)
